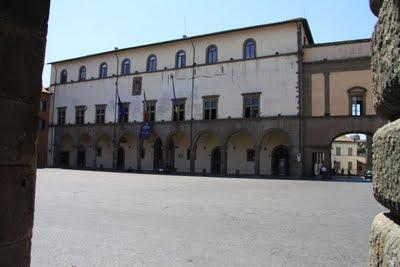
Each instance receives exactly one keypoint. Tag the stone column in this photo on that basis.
(192, 159)
(139, 156)
(385, 235)
(224, 159)
(23, 30)
(257, 150)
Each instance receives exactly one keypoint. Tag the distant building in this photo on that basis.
(345, 156)
(43, 128)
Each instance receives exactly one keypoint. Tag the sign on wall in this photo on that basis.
(146, 130)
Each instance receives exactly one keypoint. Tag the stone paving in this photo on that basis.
(87, 218)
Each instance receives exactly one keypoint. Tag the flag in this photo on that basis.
(121, 109)
(176, 107)
(146, 112)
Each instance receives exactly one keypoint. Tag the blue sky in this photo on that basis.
(81, 27)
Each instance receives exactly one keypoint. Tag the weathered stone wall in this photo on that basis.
(23, 29)
(385, 235)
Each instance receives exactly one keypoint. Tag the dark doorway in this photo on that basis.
(64, 158)
(81, 157)
(170, 160)
(121, 158)
(216, 160)
(158, 155)
(280, 161)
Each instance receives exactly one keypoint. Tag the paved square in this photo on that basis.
(86, 218)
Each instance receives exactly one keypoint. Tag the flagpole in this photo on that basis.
(115, 113)
(191, 111)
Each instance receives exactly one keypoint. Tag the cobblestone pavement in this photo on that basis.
(86, 218)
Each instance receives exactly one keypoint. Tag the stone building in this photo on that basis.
(261, 100)
(345, 156)
(43, 128)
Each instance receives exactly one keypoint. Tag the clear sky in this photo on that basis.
(81, 27)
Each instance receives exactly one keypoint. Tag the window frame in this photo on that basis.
(180, 101)
(61, 119)
(64, 76)
(102, 74)
(81, 77)
(149, 59)
(150, 103)
(251, 106)
(210, 98)
(208, 54)
(102, 117)
(80, 115)
(180, 59)
(357, 92)
(125, 118)
(245, 45)
(126, 62)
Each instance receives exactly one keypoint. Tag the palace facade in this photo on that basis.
(262, 100)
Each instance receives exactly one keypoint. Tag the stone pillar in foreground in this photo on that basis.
(385, 234)
(23, 30)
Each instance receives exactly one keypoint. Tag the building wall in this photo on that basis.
(42, 135)
(344, 158)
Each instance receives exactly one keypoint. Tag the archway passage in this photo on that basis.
(66, 148)
(280, 161)
(275, 154)
(81, 156)
(158, 156)
(120, 158)
(350, 155)
(207, 158)
(170, 160)
(216, 160)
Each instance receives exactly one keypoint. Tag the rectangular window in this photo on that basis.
(210, 108)
(338, 151)
(251, 105)
(356, 105)
(61, 116)
(350, 151)
(100, 114)
(251, 154)
(350, 165)
(43, 105)
(151, 110)
(178, 110)
(123, 116)
(80, 115)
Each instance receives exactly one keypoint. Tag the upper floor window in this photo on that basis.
(180, 59)
(64, 76)
(338, 151)
(61, 115)
(82, 73)
(80, 114)
(212, 54)
(178, 109)
(249, 49)
(103, 70)
(357, 101)
(210, 105)
(150, 110)
(251, 105)
(152, 63)
(350, 151)
(43, 105)
(123, 115)
(100, 113)
(126, 67)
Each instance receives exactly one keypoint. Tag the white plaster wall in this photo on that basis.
(268, 144)
(338, 51)
(237, 154)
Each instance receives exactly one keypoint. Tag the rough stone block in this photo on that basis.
(384, 249)
(375, 6)
(18, 134)
(386, 60)
(386, 166)
(17, 195)
(16, 254)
